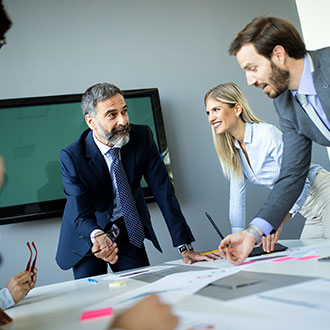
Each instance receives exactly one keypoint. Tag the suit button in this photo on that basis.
(108, 216)
(325, 85)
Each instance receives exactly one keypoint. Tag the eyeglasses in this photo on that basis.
(109, 238)
(30, 266)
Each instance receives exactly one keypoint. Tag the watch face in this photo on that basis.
(185, 247)
(182, 248)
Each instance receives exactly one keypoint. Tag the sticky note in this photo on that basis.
(248, 262)
(117, 284)
(307, 257)
(283, 259)
(96, 313)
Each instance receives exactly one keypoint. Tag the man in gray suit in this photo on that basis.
(274, 58)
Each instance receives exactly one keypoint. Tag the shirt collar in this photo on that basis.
(306, 84)
(102, 147)
(247, 135)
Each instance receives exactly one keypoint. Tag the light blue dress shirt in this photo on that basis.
(306, 87)
(264, 146)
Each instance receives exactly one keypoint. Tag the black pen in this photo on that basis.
(214, 225)
(218, 231)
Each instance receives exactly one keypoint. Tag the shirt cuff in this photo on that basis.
(263, 225)
(295, 209)
(93, 234)
(6, 299)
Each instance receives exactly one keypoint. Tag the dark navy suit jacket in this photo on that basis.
(299, 132)
(89, 192)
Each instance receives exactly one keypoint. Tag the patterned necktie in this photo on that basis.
(131, 216)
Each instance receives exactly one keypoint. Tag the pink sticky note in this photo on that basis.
(96, 313)
(247, 262)
(283, 259)
(307, 257)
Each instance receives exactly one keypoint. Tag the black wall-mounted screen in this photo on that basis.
(32, 133)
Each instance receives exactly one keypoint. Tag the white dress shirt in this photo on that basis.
(6, 299)
(117, 213)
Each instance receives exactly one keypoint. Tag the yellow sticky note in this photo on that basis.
(117, 284)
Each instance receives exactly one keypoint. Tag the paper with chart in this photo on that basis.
(136, 272)
(294, 253)
(308, 250)
(312, 294)
(306, 304)
(223, 321)
(173, 287)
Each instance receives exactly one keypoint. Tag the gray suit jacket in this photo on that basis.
(298, 133)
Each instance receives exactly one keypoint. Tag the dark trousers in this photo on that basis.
(129, 256)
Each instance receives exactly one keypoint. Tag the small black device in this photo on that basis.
(258, 250)
(324, 259)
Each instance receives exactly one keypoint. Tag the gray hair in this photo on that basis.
(96, 94)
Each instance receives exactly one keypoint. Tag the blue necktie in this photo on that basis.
(130, 213)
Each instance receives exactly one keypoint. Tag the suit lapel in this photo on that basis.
(321, 76)
(97, 163)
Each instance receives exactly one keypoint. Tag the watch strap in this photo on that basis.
(185, 247)
(255, 232)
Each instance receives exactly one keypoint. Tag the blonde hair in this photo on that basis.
(231, 94)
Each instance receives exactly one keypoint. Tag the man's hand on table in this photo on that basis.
(237, 247)
(189, 257)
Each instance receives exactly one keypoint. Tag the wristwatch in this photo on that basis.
(255, 232)
(185, 247)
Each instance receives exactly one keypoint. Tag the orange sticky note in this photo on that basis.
(96, 313)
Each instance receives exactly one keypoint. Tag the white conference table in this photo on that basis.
(59, 306)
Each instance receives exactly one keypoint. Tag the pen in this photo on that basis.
(218, 231)
(91, 280)
(135, 273)
(214, 225)
(208, 252)
(215, 251)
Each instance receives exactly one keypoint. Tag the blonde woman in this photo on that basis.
(251, 150)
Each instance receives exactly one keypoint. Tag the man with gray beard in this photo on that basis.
(101, 174)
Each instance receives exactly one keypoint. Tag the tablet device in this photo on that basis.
(258, 250)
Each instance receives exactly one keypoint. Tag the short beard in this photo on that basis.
(112, 137)
(279, 79)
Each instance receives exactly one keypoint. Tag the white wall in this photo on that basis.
(315, 26)
(178, 46)
(315, 23)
